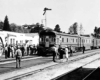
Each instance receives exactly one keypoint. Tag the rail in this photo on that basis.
(67, 75)
(94, 75)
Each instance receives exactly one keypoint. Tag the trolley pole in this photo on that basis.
(45, 9)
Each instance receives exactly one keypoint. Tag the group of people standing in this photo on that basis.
(59, 52)
(18, 51)
(26, 50)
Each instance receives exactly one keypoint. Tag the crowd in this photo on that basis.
(26, 50)
(60, 51)
(17, 51)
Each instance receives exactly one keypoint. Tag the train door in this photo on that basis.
(47, 41)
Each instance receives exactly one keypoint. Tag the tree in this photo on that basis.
(57, 28)
(75, 25)
(13, 27)
(95, 30)
(6, 26)
(38, 27)
(80, 29)
(73, 29)
(1, 25)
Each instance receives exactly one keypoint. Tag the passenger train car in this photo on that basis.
(49, 38)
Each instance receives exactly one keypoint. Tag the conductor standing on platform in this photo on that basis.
(18, 55)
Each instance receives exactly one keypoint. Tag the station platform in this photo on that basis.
(3, 59)
(48, 70)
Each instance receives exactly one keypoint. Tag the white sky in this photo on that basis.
(64, 12)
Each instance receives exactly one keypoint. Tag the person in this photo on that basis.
(18, 55)
(34, 49)
(22, 49)
(71, 51)
(66, 53)
(54, 51)
(61, 52)
(83, 49)
(6, 51)
(9, 51)
(12, 51)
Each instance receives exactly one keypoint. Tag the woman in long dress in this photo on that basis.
(66, 52)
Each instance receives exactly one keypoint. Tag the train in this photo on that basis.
(49, 38)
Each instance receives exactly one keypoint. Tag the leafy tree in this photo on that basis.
(13, 27)
(95, 30)
(37, 28)
(73, 28)
(57, 28)
(75, 25)
(6, 25)
(1, 25)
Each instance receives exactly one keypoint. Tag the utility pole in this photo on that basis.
(45, 9)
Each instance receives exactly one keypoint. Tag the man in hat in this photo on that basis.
(18, 55)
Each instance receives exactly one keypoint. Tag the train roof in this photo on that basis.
(47, 32)
(52, 32)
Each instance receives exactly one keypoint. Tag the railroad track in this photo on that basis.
(81, 73)
(18, 77)
(93, 75)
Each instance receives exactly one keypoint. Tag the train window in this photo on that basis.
(62, 39)
(67, 39)
(76, 40)
(73, 40)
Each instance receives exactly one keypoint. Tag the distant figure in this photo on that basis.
(54, 51)
(9, 51)
(22, 49)
(61, 52)
(28, 49)
(18, 55)
(12, 51)
(34, 49)
(71, 51)
(66, 52)
(83, 49)
(6, 51)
